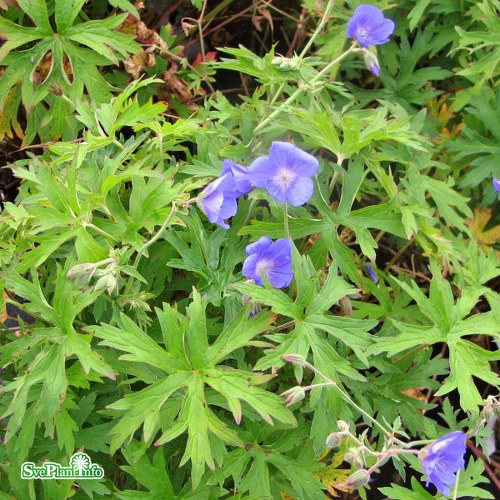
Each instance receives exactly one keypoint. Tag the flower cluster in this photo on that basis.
(286, 174)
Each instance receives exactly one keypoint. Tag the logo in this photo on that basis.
(80, 467)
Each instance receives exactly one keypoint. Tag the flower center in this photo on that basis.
(364, 33)
(263, 266)
(285, 177)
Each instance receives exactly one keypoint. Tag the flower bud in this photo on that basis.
(358, 478)
(295, 359)
(82, 271)
(354, 458)
(294, 395)
(342, 426)
(334, 440)
(107, 281)
(371, 61)
(491, 408)
(285, 63)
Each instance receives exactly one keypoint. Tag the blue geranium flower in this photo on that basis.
(442, 459)
(218, 200)
(286, 173)
(496, 185)
(272, 259)
(369, 26)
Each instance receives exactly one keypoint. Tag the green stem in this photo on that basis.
(318, 29)
(385, 455)
(155, 237)
(340, 160)
(287, 229)
(300, 90)
(101, 231)
(148, 244)
(351, 402)
(455, 490)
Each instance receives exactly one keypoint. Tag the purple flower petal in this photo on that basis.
(218, 200)
(277, 189)
(496, 185)
(259, 171)
(294, 160)
(240, 177)
(260, 246)
(300, 191)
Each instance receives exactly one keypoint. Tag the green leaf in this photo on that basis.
(278, 300)
(139, 406)
(375, 217)
(196, 331)
(66, 12)
(409, 336)
(299, 228)
(16, 36)
(417, 12)
(350, 186)
(334, 289)
(239, 385)
(152, 475)
(98, 36)
(126, 6)
(468, 360)
(47, 245)
(139, 346)
(350, 331)
(240, 331)
(37, 10)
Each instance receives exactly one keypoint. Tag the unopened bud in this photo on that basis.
(342, 426)
(353, 457)
(491, 408)
(82, 271)
(334, 440)
(295, 359)
(109, 282)
(358, 479)
(371, 61)
(285, 63)
(294, 395)
(346, 305)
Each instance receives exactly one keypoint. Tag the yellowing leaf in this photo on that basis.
(477, 225)
(331, 476)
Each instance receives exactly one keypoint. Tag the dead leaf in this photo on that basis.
(415, 394)
(3, 310)
(136, 63)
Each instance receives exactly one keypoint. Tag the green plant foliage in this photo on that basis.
(131, 330)
(54, 62)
